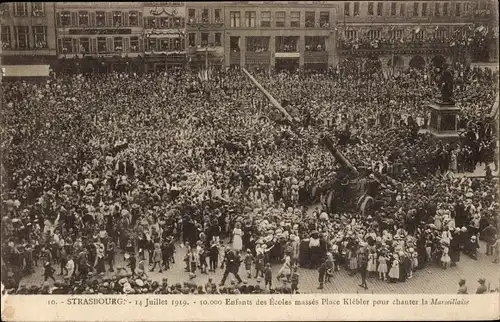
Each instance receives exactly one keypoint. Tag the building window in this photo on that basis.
(315, 43)
(4, 9)
(117, 18)
(218, 15)
(100, 18)
(380, 9)
(164, 44)
(280, 18)
(84, 45)
(191, 15)
(424, 9)
(402, 10)
(418, 34)
(295, 19)
(235, 19)
(101, 45)
(356, 9)
(347, 9)
(118, 43)
(373, 34)
(445, 9)
(192, 39)
(441, 33)
(177, 44)
(257, 44)
(65, 18)
(351, 34)
(250, 17)
(178, 22)
(286, 44)
(457, 10)
(265, 19)
(204, 16)
(370, 9)
(163, 22)
(310, 19)
(467, 7)
(6, 41)
(217, 39)
(415, 9)
(149, 22)
(40, 36)
(437, 10)
(393, 8)
(204, 39)
(152, 43)
(20, 8)
(395, 34)
(67, 46)
(234, 44)
(83, 18)
(133, 19)
(324, 19)
(134, 44)
(38, 9)
(22, 34)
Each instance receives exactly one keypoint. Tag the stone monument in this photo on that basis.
(443, 123)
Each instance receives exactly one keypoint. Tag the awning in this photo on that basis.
(25, 70)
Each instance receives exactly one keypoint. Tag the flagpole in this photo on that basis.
(206, 57)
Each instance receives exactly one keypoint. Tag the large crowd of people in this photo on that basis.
(108, 168)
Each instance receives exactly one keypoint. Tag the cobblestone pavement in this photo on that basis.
(429, 280)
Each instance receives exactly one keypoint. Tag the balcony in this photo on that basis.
(258, 58)
(205, 23)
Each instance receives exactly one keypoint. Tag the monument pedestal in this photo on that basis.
(443, 123)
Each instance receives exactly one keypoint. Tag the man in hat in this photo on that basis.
(481, 289)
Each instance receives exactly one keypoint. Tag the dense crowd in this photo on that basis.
(102, 166)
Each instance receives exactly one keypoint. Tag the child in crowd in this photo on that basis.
(268, 276)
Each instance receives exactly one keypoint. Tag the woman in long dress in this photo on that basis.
(372, 262)
(453, 163)
(353, 261)
(237, 239)
(382, 267)
(394, 272)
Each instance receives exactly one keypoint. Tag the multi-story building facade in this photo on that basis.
(280, 34)
(410, 33)
(106, 30)
(27, 33)
(164, 34)
(205, 32)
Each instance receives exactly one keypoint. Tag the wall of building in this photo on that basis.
(99, 28)
(280, 19)
(28, 32)
(75, 28)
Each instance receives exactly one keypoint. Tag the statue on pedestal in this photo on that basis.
(446, 85)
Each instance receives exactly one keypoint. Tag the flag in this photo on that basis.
(239, 42)
(417, 30)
